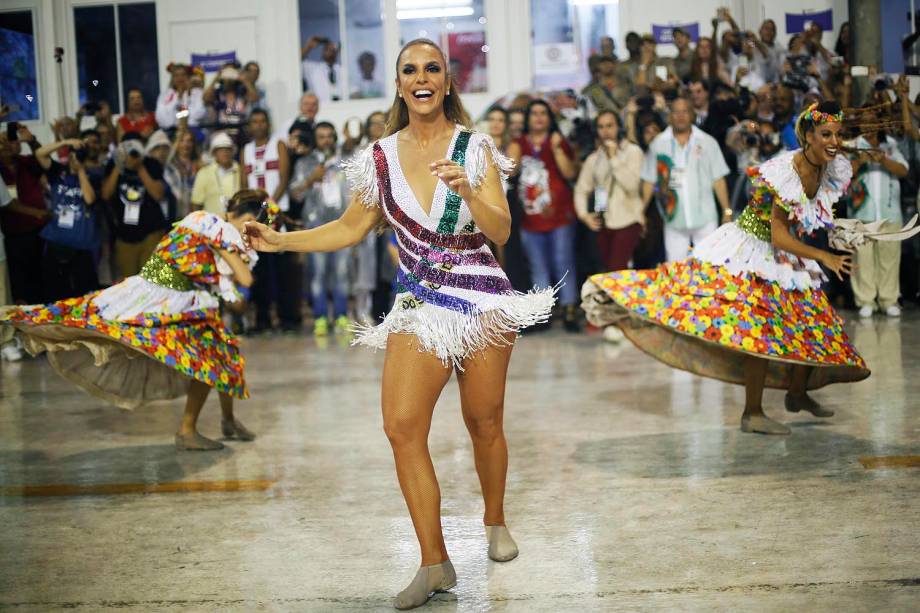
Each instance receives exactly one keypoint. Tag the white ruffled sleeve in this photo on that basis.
(480, 153)
(361, 172)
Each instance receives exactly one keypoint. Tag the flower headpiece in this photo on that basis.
(817, 117)
(270, 211)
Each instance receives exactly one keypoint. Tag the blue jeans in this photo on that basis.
(330, 276)
(552, 257)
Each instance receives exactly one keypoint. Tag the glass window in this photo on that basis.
(364, 48)
(97, 65)
(459, 27)
(137, 30)
(565, 35)
(320, 41)
(104, 74)
(18, 76)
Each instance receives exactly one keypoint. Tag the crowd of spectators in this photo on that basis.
(631, 171)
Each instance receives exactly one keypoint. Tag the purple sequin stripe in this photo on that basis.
(445, 257)
(452, 241)
(487, 284)
(430, 296)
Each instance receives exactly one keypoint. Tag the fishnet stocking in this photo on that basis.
(482, 397)
(412, 383)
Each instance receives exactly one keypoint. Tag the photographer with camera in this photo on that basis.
(611, 175)
(322, 78)
(72, 234)
(133, 188)
(180, 101)
(229, 98)
(754, 142)
(23, 219)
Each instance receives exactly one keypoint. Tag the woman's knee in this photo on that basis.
(401, 428)
(486, 428)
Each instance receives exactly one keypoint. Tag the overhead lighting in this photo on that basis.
(593, 2)
(458, 11)
(430, 4)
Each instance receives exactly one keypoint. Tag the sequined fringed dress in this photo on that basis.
(737, 294)
(451, 293)
(146, 337)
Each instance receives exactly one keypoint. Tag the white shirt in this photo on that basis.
(683, 176)
(170, 102)
(316, 74)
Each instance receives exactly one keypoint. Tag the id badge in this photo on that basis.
(332, 195)
(600, 199)
(259, 168)
(132, 214)
(66, 217)
(677, 179)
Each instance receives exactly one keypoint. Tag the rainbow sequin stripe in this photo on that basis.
(425, 272)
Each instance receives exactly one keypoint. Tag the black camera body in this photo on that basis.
(81, 155)
(12, 130)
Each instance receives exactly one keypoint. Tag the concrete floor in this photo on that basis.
(630, 488)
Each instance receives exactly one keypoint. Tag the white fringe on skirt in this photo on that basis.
(454, 336)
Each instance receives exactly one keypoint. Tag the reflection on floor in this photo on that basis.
(630, 487)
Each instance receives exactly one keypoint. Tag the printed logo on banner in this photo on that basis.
(211, 62)
(664, 35)
(797, 22)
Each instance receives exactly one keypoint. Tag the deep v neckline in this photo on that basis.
(438, 196)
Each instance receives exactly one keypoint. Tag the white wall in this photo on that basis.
(268, 31)
(639, 15)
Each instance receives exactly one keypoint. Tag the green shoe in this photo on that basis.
(342, 325)
(321, 326)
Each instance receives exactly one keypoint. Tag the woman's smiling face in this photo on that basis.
(422, 80)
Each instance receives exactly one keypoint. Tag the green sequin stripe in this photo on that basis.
(752, 224)
(157, 271)
(448, 222)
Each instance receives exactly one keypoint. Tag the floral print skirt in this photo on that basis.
(151, 356)
(699, 317)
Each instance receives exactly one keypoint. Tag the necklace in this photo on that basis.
(812, 164)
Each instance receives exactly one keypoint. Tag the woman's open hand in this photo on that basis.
(454, 176)
(260, 237)
(840, 265)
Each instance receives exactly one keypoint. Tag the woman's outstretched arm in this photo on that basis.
(346, 231)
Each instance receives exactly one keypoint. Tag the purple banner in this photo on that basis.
(211, 62)
(796, 22)
(664, 35)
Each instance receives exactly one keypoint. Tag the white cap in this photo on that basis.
(220, 140)
(157, 139)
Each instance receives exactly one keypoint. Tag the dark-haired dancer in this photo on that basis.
(747, 307)
(439, 186)
(169, 314)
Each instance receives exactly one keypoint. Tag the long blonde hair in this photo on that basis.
(398, 116)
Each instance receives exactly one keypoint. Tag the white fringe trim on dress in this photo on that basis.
(742, 253)
(454, 336)
(477, 162)
(361, 172)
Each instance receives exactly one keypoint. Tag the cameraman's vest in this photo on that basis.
(263, 168)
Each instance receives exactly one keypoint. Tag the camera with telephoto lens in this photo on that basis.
(750, 139)
(797, 77)
(132, 148)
